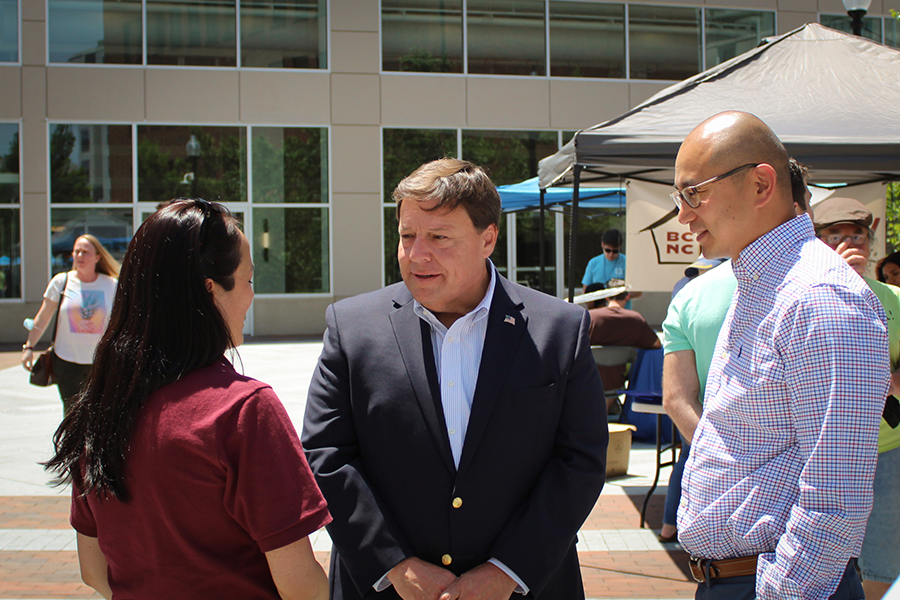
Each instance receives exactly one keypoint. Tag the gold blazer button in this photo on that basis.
(457, 502)
(446, 559)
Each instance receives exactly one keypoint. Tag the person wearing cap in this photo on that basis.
(692, 324)
(610, 265)
(698, 267)
(614, 325)
(777, 489)
(845, 225)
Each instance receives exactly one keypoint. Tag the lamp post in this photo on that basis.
(193, 151)
(857, 10)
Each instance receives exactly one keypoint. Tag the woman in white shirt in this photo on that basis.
(87, 295)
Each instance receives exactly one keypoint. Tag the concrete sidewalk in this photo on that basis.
(37, 551)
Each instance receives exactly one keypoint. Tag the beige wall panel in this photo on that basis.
(11, 97)
(95, 94)
(33, 10)
(748, 4)
(580, 104)
(357, 249)
(34, 158)
(355, 99)
(194, 96)
(355, 52)
(641, 90)
(34, 93)
(356, 159)
(35, 245)
(355, 15)
(423, 101)
(290, 316)
(835, 7)
(508, 102)
(11, 330)
(789, 21)
(798, 6)
(285, 97)
(34, 43)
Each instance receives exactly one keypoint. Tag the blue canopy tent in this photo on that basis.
(527, 195)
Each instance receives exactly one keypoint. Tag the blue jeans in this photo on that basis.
(673, 492)
(744, 588)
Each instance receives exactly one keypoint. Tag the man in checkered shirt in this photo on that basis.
(778, 486)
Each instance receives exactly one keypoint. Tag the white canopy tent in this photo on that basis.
(831, 97)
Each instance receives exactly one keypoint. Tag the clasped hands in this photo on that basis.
(415, 579)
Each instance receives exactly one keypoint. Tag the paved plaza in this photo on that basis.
(37, 545)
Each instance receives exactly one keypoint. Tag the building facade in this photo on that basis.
(302, 115)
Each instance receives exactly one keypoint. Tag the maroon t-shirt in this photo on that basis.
(217, 477)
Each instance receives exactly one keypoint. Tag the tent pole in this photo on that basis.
(573, 225)
(541, 243)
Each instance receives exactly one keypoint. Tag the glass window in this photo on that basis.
(506, 37)
(290, 164)
(871, 27)
(528, 250)
(592, 222)
(10, 235)
(191, 32)
(664, 42)
(95, 31)
(892, 32)
(182, 160)
(10, 253)
(290, 250)
(290, 34)
(587, 39)
(9, 31)
(90, 163)
(509, 157)
(733, 32)
(112, 226)
(403, 151)
(422, 35)
(9, 163)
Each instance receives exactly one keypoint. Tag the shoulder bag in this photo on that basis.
(42, 368)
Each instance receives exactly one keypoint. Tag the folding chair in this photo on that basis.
(613, 356)
(645, 394)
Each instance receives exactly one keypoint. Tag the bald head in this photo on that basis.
(737, 138)
(734, 172)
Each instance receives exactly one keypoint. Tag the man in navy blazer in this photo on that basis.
(455, 421)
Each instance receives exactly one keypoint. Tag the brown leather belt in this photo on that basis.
(717, 569)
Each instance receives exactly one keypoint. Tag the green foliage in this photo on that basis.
(423, 61)
(892, 213)
(69, 182)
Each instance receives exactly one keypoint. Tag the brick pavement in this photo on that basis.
(53, 574)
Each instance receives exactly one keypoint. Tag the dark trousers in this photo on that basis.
(70, 378)
(744, 588)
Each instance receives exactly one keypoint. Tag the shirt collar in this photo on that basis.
(756, 259)
(478, 312)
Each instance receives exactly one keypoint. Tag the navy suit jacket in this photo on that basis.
(533, 461)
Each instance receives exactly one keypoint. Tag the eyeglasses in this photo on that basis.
(835, 239)
(691, 194)
(611, 250)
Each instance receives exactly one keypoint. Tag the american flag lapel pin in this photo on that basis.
(510, 320)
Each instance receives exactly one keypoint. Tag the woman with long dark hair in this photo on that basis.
(86, 293)
(189, 480)
(887, 270)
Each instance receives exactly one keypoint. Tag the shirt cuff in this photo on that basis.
(383, 583)
(521, 588)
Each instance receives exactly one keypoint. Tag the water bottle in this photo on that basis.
(28, 324)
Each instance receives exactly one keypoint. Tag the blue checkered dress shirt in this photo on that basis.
(785, 452)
